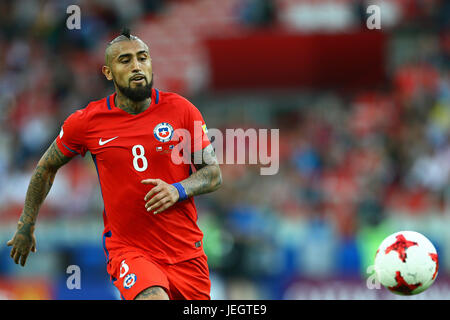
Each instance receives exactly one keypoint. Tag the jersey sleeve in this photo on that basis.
(197, 129)
(70, 140)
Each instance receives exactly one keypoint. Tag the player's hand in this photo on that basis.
(161, 197)
(22, 243)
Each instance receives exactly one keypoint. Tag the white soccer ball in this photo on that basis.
(406, 263)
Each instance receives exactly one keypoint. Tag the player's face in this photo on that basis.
(130, 68)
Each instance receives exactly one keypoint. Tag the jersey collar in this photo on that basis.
(111, 105)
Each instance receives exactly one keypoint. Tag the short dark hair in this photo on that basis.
(124, 35)
(126, 32)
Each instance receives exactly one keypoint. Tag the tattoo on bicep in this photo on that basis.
(54, 158)
(152, 293)
(204, 157)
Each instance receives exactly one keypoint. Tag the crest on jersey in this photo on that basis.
(163, 132)
(129, 281)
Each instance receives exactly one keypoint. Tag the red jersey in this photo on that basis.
(127, 149)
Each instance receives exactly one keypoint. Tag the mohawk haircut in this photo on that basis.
(125, 35)
(126, 32)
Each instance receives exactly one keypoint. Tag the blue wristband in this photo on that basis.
(181, 191)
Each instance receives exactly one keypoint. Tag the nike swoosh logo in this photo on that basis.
(100, 142)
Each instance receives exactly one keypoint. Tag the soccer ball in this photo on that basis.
(406, 263)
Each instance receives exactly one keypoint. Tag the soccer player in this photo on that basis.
(151, 239)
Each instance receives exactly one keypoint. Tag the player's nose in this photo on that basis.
(136, 68)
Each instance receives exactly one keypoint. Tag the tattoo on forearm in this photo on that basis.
(39, 186)
(41, 183)
(207, 178)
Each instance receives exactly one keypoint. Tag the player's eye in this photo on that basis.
(143, 58)
(124, 61)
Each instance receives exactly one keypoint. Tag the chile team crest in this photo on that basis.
(163, 132)
(129, 281)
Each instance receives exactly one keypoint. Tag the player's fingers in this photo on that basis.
(17, 256)
(152, 192)
(23, 259)
(164, 207)
(154, 200)
(13, 252)
(151, 181)
(157, 206)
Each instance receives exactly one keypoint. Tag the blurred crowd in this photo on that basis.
(354, 167)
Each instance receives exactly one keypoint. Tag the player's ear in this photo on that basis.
(107, 72)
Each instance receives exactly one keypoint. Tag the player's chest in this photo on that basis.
(134, 138)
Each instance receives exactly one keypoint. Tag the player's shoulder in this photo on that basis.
(98, 105)
(174, 99)
(178, 105)
(92, 108)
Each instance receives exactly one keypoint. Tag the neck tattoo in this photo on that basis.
(132, 107)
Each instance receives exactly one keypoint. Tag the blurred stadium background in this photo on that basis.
(364, 119)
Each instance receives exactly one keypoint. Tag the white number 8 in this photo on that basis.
(138, 156)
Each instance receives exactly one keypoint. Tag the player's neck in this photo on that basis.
(132, 107)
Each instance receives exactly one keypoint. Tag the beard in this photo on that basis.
(139, 93)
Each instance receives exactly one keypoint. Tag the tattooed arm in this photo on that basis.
(207, 178)
(41, 181)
